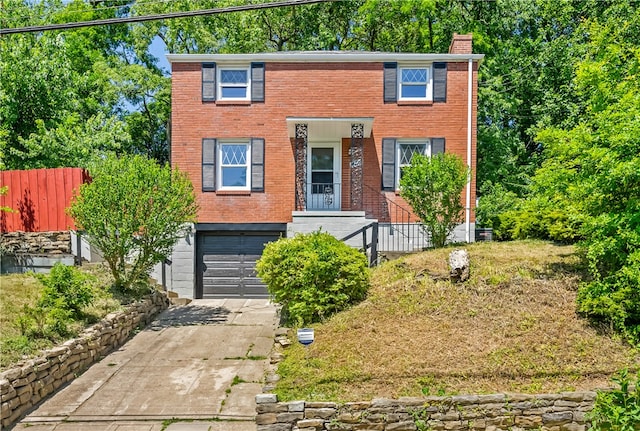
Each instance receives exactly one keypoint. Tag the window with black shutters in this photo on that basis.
(420, 82)
(237, 83)
(233, 164)
(397, 153)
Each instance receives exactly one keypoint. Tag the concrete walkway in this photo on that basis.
(197, 367)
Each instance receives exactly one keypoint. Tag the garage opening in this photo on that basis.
(226, 266)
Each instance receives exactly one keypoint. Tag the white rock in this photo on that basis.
(459, 265)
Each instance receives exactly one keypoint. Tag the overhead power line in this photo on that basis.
(94, 8)
(123, 20)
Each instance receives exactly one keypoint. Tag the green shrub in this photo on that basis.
(66, 292)
(537, 218)
(614, 298)
(617, 409)
(432, 186)
(313, 276)
(67, 288)
(57, 322)
(612, 251)
(495, 201)
(51, 323)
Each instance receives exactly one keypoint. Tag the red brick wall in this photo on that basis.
(306, 90)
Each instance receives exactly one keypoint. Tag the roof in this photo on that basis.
(322, 57)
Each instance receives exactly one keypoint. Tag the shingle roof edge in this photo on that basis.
(322, 57)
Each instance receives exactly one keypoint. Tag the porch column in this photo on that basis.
(356, 154)
(300, 149)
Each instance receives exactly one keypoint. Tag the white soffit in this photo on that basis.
(329, 128)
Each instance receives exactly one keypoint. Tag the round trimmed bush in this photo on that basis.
(313, 276)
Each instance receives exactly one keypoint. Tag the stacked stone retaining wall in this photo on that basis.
(23, 386)
(57, 242)
(497, 412)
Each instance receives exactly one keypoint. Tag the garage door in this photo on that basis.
(227, 264)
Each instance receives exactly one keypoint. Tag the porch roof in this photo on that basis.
(329, 128)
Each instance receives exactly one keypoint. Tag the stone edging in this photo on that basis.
(55, 242)
(27, 384)
(553, 412)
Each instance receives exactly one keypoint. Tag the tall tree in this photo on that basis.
(396, 26)
(59, 87)
(608, 168)
(588, 186)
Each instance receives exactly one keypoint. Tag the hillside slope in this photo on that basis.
(511, 328)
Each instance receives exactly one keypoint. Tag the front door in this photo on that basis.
(323, 180)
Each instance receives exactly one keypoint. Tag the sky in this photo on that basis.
(159, 50)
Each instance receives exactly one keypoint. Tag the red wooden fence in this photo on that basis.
(39, 199)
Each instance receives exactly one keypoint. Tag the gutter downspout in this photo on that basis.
(467, 213)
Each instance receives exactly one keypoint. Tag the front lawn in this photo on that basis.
(512, 327)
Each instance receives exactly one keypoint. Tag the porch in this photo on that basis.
(329, 156)
(330, 189)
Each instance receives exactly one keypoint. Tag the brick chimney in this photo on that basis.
(461, 44)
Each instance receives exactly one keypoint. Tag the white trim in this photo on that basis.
(219, 165)
(321, 57)
(467, 212)
(220, 85)
(329, 128)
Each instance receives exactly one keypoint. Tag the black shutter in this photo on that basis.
(257, 165)
(439, 82)
(208, 82)
(208, 165)
(257, 82)
(388, 164)
(437, 146)
(390, 82)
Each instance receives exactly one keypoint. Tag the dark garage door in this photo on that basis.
(227, 264)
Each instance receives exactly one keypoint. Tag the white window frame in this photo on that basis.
(429, 84)
(220, 165)
(220, 85)
(399, 143)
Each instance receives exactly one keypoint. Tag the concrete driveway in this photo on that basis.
(197, 367)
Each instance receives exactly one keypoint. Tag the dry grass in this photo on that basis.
(16, 291)
(511, 328)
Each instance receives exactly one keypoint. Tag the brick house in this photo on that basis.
(284, 142)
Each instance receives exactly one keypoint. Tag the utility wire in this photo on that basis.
(132, 5)
(63, 9)
(215, 11)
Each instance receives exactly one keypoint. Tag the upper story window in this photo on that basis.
(241, 84)
(234, 83)
(414, 83)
